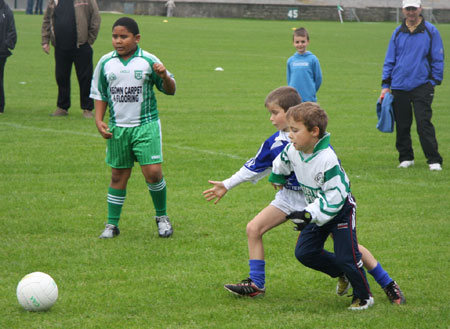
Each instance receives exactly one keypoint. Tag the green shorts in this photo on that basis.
(128, 145)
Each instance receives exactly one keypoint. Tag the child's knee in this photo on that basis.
(152, 173)
(120, 177)
(253, 229)
(304, 257)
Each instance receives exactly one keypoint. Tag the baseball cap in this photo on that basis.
(411, 3)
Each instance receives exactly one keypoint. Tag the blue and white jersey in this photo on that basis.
(261, 164)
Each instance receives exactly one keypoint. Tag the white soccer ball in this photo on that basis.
(37, 291)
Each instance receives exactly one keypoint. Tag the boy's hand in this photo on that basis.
(277, 186)
(218, 191)
(103, 129)
(160, 69)
(168, 83)
(299, 218)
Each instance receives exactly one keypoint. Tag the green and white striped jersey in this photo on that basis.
(320, 175)
(127, 86)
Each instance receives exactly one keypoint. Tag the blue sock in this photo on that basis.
(257, 272)
(381, 276)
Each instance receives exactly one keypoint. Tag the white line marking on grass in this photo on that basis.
(193, 149)
(56, 131)
(72, 132)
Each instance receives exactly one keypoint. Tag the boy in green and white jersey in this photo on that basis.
(331, 208)
(124, 80)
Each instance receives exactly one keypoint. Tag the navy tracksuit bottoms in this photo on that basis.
(346, 257)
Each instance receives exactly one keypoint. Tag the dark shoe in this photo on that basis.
(88, 114)
(245, 288)
(394, 293)
(59, 113)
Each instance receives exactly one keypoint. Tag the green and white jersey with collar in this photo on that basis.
(320, 175)
(127, 86)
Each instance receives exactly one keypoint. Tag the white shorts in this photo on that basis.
(289, 201)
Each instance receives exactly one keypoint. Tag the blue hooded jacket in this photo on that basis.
(414, 59)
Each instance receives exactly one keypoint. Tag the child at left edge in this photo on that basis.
(124, 80)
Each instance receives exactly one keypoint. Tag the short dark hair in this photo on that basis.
(301, 32)
(128, 23)
(311, 115)
(284, 97)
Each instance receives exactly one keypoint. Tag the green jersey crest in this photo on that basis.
(138, 74)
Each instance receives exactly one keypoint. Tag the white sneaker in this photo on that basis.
(164, 226)
(361, 304)
(406, 164)
(435, 166)
(110, 231)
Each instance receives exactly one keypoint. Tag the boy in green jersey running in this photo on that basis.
(123, 80)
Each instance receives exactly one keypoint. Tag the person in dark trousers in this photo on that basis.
(72, 27)
(38, 7)
(29, 10)
(8, 38)
(413, 66)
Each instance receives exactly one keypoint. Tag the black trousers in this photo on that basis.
(82, 58)
(418, 100)
(2, 88)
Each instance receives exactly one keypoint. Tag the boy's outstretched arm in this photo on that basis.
(169, 85)
(100, 109)
(218, 191)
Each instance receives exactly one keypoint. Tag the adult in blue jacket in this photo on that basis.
(413, 66)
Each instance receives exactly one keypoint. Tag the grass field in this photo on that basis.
(53, 184)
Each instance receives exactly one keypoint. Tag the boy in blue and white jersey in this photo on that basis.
(124, 81)
(331, 207)
(303, 68)
(286, 201)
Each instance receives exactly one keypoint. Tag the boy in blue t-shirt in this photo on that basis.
(303, 68)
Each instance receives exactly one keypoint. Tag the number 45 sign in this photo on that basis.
(292, 13)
